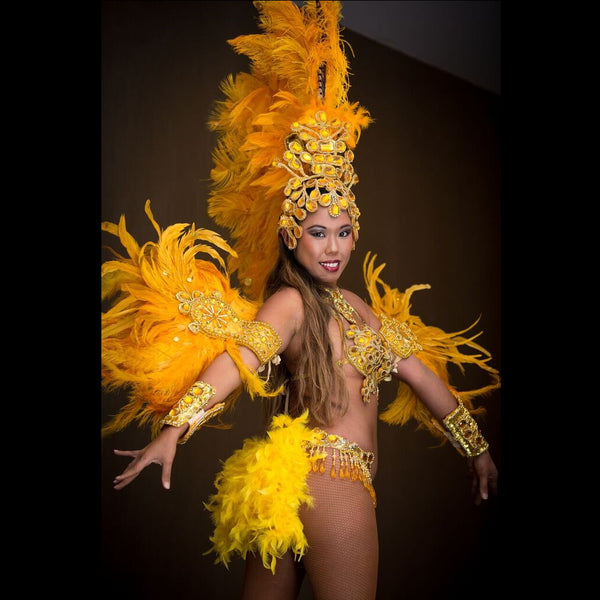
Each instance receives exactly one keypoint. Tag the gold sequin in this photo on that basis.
(400, 337)
(348, 459)
(194, 400)
(316, 156)
(213, 316)
(463, 431)
(373, 354)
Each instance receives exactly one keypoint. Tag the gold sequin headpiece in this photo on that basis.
(320, 162)
(286, 136)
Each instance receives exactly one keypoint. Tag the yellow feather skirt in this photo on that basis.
(259, 493)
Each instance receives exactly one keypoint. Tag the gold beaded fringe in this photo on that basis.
(348, 460)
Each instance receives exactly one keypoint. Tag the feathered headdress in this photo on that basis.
(286, 136)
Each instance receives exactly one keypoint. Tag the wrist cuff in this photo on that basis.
(463, 432)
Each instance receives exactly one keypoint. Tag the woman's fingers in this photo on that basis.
(134, 468)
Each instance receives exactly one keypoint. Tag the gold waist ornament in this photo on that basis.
(348, 459)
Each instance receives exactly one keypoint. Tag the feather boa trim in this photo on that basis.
(439, 348)
(147, 346)
(259, 492)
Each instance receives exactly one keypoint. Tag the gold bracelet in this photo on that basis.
(190, 409)
(463, 431)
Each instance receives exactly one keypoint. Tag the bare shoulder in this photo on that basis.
(287, 298)
(353, 298)
(363, 309)
(283, 310)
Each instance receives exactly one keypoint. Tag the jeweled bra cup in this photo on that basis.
(373, 354)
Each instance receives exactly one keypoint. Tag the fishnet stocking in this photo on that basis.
(342, 559)
(341, 529)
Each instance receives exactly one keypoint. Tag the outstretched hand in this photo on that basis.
(484, 476)
(161, 451)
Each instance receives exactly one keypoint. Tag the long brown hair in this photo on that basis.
(318, 384)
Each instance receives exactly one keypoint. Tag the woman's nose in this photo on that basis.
(332, 244)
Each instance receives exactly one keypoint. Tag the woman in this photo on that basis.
(302, 499)
(314, 267)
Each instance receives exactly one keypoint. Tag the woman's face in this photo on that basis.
(325, 246)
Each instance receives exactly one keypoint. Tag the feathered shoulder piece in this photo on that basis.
(151, 343)
(438, 349)
(297, 83)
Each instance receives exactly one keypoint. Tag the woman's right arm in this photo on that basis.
(283, 312)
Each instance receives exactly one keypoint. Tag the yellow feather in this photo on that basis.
(255, 117)
(439, 348)
(259, 492)
(147, 347)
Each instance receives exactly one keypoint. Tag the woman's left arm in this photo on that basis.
(447, 411)
(445, 407)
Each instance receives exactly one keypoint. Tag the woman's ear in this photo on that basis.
(288, 240)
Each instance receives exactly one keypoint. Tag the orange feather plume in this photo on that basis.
(254, 119)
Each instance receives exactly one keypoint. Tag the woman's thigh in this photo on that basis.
(341, 530)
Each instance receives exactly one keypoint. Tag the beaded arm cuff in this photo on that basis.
(214, 317)
(190, 409)
(463, 432)
(399, 336)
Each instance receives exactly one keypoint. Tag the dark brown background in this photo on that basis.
(430, 197)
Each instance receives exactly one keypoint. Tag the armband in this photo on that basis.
(399, 336)
(190, 409)
(463, 431)
(214, 317)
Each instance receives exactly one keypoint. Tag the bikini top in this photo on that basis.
(372, 353)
